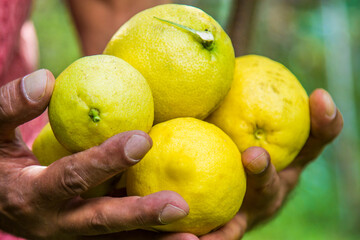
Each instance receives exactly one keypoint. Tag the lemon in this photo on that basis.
(184, 54)
(97, 97)
(47, 150)
(266, 107)
(200, 162)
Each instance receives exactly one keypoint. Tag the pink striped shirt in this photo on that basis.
(13, 62)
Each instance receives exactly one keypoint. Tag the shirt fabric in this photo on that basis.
(13, 64)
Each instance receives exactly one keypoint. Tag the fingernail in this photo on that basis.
(330, 107)
(259, 164)
(170, 213)
(136, 147)
(35, 84)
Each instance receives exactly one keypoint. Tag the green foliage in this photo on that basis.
(312, 211)
(57, 40)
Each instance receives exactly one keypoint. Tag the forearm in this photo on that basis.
(241, 25)
(97, 20)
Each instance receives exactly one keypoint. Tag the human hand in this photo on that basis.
(39, 202)
(267, 189)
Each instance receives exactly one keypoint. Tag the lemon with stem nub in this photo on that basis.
(266, 107)
(184, 54)
(97, 97)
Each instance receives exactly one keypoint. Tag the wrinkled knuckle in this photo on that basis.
(110, 166)
(72, 182)
(145, 216)
(7, 110)
(140, 220)
(107, 160)
(99, 223)
(3, 112)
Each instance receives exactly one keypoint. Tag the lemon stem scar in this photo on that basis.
(259, 133)
(94, 114)
(206, 38)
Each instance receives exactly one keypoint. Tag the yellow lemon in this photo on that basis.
(46, 147)
(266, 107)
(47, 150)
(97, 97)
(184, 54)
(200, 162)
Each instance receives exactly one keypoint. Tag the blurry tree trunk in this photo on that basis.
(97, 20)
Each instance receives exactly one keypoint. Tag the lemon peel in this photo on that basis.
(266, 107)
(200, 162)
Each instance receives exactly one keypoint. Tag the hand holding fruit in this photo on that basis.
(267, 190)
(98, 98)
(16, 156)
(42, 202)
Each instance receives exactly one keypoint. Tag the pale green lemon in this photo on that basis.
(266, 107)
(47, 150)
(184, 54)
(200, 162)
(46, 147)
(97, 97)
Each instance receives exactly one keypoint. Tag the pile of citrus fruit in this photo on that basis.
(171, 71)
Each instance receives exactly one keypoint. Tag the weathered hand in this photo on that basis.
(43, 202)
(267, 189)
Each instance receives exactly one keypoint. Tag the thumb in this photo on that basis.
(24, 99)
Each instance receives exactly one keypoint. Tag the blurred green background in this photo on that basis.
(319, 41)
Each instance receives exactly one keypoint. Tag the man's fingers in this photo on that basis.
(264, 191)
(234, 229)
(255, 160)
(326, 120)
(77, 173)
(262, 178)
(141, 235)
(177, 236)
(107, 215)
(326, 124)
(24, 99)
